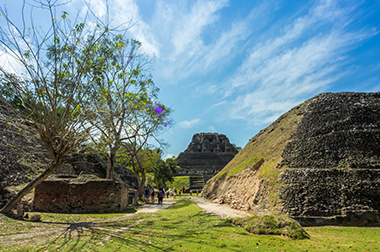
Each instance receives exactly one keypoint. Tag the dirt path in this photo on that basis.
(149, 208)
(223, 211)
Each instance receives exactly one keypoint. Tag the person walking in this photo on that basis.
(152, 196)
(183, 190)
(146, 195)
(161, 195)
(168, 193)
(174, 192)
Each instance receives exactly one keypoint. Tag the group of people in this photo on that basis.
(150, 194)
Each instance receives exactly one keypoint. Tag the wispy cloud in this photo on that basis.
(125, 13)
(189, 124)
(306, 57)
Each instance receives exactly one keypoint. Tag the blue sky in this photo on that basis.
(233, 67)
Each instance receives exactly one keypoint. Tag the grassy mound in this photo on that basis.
(272, 225)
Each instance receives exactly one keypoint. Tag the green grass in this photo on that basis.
(183, 227)
(179, 182)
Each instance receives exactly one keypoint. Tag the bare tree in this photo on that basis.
(55, 79)
(144, 125)
(121, 86)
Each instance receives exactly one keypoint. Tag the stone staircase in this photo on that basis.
(196, 183)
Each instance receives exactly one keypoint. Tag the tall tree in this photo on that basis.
(54, 81)
(144, 125)
(122, 80)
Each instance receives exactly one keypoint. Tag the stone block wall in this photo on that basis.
(71, 196)
(337, 131)
(207, 153)
(329, 192)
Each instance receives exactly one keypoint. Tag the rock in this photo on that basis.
(35, 218)
(20, 211)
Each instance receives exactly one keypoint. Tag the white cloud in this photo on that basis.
(189, 124)
(301, 60)
(211, 128)
(169, 156)
(9, 62)
(125, 13)
(182, 28)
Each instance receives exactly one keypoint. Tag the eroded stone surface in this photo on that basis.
(71, 194)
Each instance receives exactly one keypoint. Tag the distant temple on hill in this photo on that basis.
(206, 155)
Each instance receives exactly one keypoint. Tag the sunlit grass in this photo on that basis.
(183, 227)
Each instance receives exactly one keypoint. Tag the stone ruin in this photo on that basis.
(206, 155)
(319, 160)
(80, 194)
(79, 186)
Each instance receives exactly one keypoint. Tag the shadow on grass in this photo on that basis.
(74, 232)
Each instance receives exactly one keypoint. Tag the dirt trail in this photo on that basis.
(223, 211)
(149, 208)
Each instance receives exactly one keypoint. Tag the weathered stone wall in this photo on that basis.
(337, 130)
(22, 153)
(76, 195)
(85, 163)
(329, 192)
(338, 134)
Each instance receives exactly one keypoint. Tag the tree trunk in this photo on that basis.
(111, 164)
(143, 177)
(12, 203)
(140, 188)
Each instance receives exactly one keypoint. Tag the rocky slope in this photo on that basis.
(23, 157)
(22, 154)
(319, 159)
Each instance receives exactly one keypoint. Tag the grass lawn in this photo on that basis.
(182, 227)
(179, 182)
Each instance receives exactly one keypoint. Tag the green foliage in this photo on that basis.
(150, 180)
(179, 182)
(238, 148)
(272, 225)
(164, 172)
